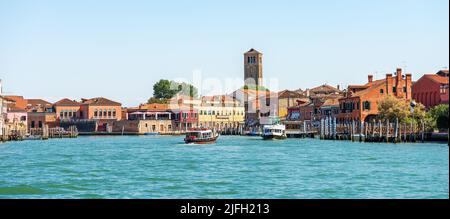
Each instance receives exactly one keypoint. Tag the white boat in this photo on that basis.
(276, 131)
(33, 137)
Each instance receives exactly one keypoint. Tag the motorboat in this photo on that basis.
(274, 132)
(201, 136)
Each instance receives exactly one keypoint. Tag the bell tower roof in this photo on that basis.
(253, 51)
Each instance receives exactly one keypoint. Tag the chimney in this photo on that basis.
(408, 84)
(370, 78)
(399, 71)
(338, 87)
(389, 84)
(307, 92)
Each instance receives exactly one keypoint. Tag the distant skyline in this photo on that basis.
(118, 49)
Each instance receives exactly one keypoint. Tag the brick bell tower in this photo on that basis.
(253, 76)
(253, 69)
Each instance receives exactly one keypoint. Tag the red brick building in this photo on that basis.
(361, 101)
(432, 89)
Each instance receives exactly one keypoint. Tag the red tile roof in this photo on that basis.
(290, 94)
(16, 109)
(253, 51)
(38, 102)
(100, 101)
(437, 78)
(154, 106)
(67, 102)
(324, 88)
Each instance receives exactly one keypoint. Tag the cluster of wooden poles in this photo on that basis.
(375, 131)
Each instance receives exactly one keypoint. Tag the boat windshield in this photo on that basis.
(199, 134)
(194, 134)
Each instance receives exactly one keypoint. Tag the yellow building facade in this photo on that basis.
(220, 113)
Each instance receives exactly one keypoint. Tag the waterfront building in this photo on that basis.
(147, 118)
(184, 117)
(300, 115)
(220, 113)
(67, 109)
(361, 101)
(16, 115)
(16, 119)
(33, 113)
(287, 99)
(101, 110)
(318, 103)
(432, 89)
(41, 119)
(330, 108)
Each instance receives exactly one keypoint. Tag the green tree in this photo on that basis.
(187, 89)
(439, 114)
(156, 100)
(163, 90)
(391, 108)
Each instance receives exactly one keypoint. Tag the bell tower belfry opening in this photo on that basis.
(253, 68)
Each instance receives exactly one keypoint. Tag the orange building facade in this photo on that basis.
(361, 101)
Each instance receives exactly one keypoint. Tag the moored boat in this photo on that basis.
(201, 136)
(274, 132)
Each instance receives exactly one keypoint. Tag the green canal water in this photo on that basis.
(235, 167)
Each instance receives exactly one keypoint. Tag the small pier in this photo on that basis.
(46, 133)
(356, 131)
(374, 131)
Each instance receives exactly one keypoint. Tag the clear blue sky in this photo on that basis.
(118, 49)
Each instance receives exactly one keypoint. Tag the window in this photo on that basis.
(381, 91)
(61, 115)
(444, 89)
(32, 124)
(95, 113)
(394, 89)
(114, 113)
(366, 105)
(40, 124)
(109, 113)
(404, 90)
